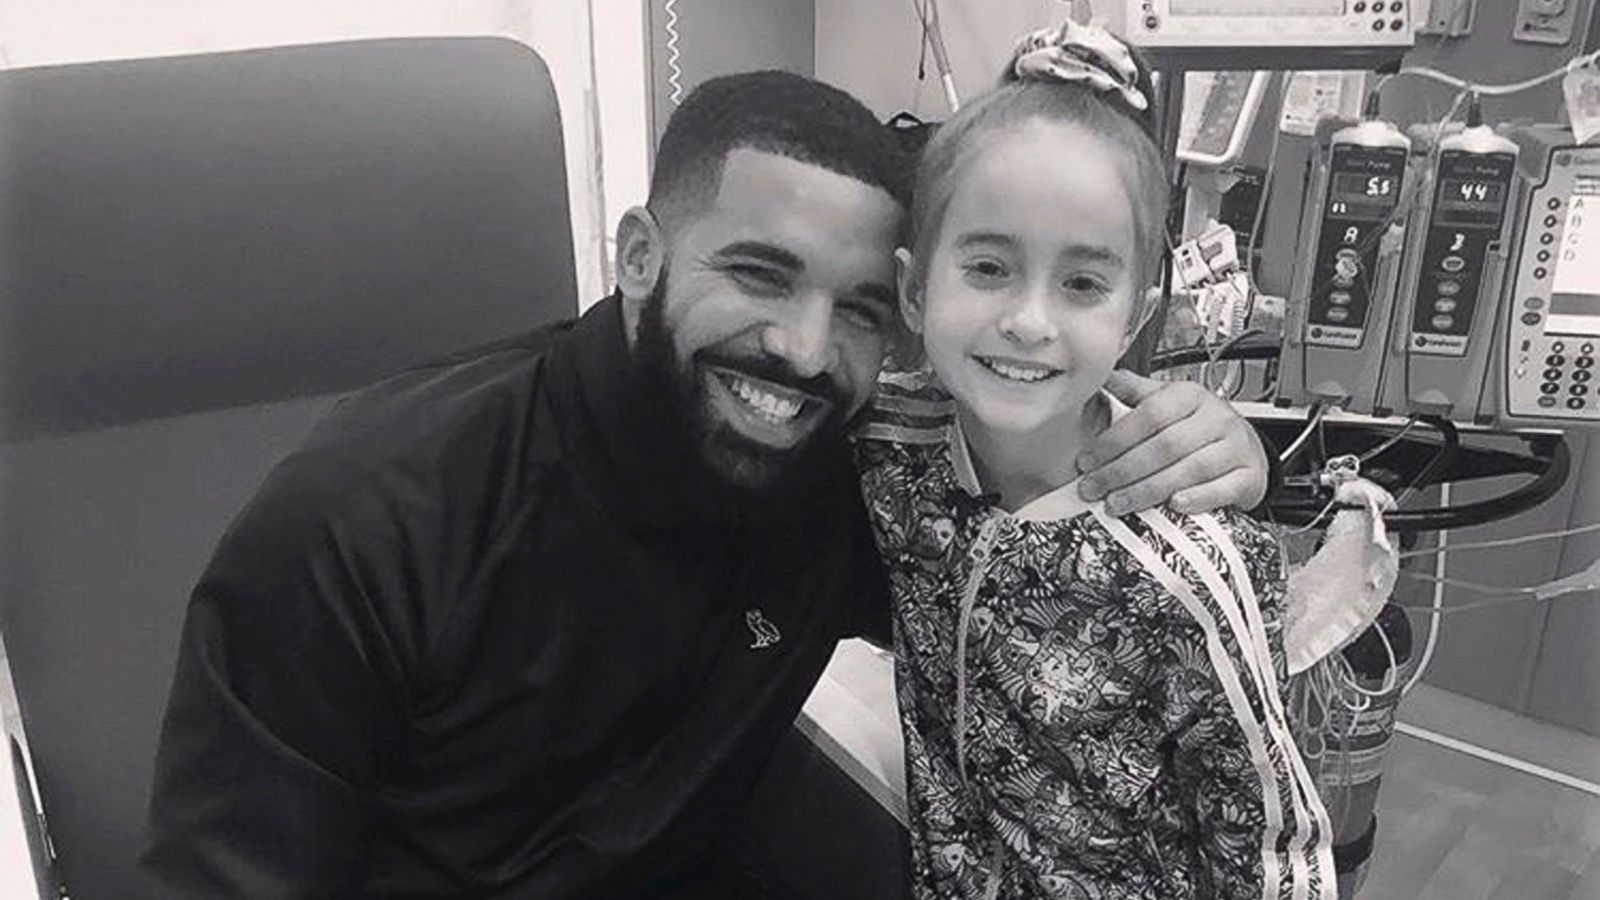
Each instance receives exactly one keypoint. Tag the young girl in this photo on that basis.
(1091, 706)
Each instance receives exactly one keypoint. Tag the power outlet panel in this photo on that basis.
(1446, 18)
(1544, 21)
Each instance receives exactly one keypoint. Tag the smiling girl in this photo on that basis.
(1092, 706)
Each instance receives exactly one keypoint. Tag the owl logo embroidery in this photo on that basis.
(766, 633)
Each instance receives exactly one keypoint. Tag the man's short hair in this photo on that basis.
(773, 112)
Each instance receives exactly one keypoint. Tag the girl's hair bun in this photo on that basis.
(1086, 55)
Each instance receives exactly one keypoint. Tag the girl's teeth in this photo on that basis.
(1018, 374)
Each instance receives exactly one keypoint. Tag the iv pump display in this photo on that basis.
(1364, 188)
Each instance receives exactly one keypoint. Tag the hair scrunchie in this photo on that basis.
(1083, 54)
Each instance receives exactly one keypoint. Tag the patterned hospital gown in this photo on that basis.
(1075, 726)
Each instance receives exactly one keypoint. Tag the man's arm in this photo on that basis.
(283, 698)
(1180, 445)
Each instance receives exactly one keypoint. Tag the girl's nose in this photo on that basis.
(1027, 321)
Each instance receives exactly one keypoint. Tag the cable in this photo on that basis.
(1266, 180)
(1507, 542)
(1199, 353)
(1435, 153)
(1438, 601)
(1316, 518)
(1491, 90)
(1313, 419)
(1319, 447)
(941, 59)
(1557, 466)
(1374, 452)
(1521, 595)
(1267, 393)
(1551, 473)
(922, 45)
(1450, 441)
(1220, 349)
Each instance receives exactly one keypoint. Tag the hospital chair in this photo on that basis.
(198, 255)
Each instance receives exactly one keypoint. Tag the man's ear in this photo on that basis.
(641, 255)
(909, 288)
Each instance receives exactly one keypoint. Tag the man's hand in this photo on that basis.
(1181, 444)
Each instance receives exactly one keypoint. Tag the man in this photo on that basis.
(529, 622)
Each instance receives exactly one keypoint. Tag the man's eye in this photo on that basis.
(759, 279)
(868, 316)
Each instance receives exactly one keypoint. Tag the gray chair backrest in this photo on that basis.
(197, 255)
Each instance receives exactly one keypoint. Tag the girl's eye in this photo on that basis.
(984, 271)
(1085, 284)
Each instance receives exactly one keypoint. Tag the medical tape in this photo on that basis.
(1252, 611)
(1247, 591)
(1250, 606)
(1226, 600)
(1221, 591)
(1228, 675)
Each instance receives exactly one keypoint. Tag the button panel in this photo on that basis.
(1553, 376)
(1165, 26)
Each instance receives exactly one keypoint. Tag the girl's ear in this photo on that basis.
(905, 273)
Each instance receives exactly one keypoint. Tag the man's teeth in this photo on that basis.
(1018, 373)
(772, 407)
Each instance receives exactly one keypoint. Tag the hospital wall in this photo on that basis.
(1534, 659)
(690, 41)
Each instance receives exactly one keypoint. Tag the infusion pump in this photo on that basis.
(1446, 315)
(1344, 285)
(1459, 280)
(1259, 23)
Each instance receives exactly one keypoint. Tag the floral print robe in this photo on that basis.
(1081, 720)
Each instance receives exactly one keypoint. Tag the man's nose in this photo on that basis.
(803, 336)
(1027, 320)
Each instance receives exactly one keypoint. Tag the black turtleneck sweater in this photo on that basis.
(476, 639)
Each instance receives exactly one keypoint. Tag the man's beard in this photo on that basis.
(737, 470)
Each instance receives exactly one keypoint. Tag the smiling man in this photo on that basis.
(765, 305)
(529, 622)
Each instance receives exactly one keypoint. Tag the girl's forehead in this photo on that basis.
(1042, 179)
